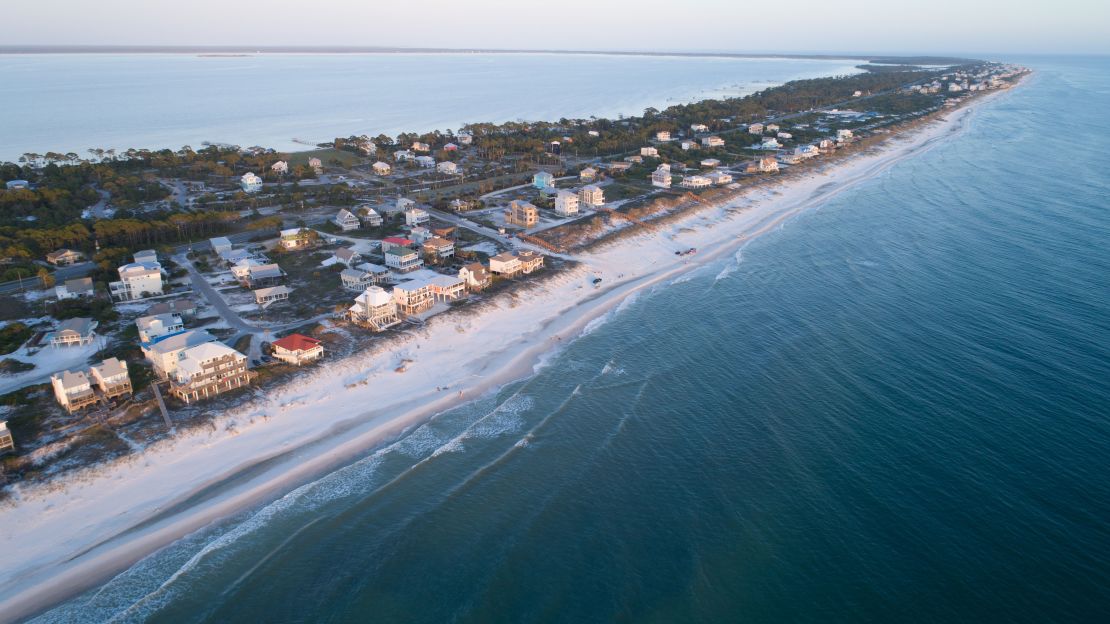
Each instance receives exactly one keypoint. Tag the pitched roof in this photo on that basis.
(110, 368)
(346, 253)
(296, 342)
(83, 326)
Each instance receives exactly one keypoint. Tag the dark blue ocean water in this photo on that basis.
(894, 409)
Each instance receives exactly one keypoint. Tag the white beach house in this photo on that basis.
(566, 203)
(250, 183)
(661, 177)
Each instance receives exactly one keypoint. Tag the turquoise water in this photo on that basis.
(898, 410)
(72, 102)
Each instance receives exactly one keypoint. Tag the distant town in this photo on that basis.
(146, 291)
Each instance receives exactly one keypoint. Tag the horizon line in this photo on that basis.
(351, 49)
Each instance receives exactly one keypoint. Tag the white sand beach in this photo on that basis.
(62, 538)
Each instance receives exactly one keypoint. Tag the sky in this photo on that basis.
(804, 26)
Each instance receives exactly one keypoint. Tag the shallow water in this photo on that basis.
(894, 409)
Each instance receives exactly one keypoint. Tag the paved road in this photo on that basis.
(30, 282)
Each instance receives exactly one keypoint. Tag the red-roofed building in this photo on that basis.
(297, 349)
(395, 241)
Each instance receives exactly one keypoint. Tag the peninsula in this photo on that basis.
(192, 332)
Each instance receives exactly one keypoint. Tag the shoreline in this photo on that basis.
(52, 556)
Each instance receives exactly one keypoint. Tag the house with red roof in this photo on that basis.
(395, 241)
(298, 349)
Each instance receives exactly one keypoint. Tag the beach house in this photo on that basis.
(74, 288)
(713, 141)
(439, 248)
(719, 178)
(220, 245)
(280, 167)
(381, 168)
(181, 307)
(770, 143)
(208, 370)
(7, 443)
(426, 162)
(403, 259)
(262, 275)
(649, 152)
(566, 203)
(589, 174)
(416, 216)
(529, 261)
(446, 287)
(522, 213)
(807, 151)
(413, 297)
(371, 217)
(695, 182)
(755, 128)
(346, 220)
(390, 242)
(504, 264)
(591, 195)
(476, 276)
(447, 167)
(464, 137)
(157, 327)
(136, 281)
(265, 297)
(417, 146)
(347, 256)
(316, 165)
(64, 257)
(357, 279)
(297, 349)
(766, 164)
(250, 183)
(663, 136)
(73, 390)
(74, 332)
(772, 128)
(688, 145)
(542, 180)
(710, 163)
(375, 309)
(163, 355)
(295, 239)
(111, 378)
(661, 177)
(844, 136)
(403, 155)
(698, 127)
(786, 136)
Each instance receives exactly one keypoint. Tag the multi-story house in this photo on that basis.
(566, 203)
(73, 390)
(522, 213)
(137, 280)
(403, 259)
(207, 370)
(661, 177)
(111, 378)
(374, 308)
(347, 221)
(591, 195)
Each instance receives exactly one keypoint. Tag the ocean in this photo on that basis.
(75, 102)
(895, 408)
